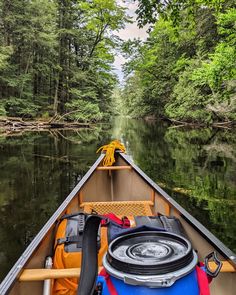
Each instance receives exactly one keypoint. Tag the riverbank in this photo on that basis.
(10, 125)
(225, 124)
(15, 124)
(191, 124)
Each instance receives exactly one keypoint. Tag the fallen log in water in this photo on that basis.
(225, 124)
(17, 124)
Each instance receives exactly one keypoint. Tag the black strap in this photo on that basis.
(173, 225)
(168, 223)
(148, 220)
(89, 267)
(69, 240)
(68, 216)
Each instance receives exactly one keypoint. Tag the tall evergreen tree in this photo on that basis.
(56, 56)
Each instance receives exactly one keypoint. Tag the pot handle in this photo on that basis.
(219, 264)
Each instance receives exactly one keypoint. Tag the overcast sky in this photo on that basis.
(131, 31)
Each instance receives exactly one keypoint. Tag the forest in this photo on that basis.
(186, 69)
(56, 59)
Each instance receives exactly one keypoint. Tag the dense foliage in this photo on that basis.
(186, 69)
(56, 57)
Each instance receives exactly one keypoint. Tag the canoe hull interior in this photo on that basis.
(117, 186)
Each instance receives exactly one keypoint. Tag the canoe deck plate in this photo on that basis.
(126, 208)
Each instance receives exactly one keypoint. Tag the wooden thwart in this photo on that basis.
(226, 267)
(114, 168)
(44, 274)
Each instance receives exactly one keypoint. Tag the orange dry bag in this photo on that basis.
(68, 247)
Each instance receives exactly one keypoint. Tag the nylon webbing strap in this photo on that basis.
(69, 240)
(89, 267)
(68, 216)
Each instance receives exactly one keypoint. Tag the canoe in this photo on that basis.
(123, 189)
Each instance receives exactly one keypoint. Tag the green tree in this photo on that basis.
(205, 91)
(57, 55)
(29, 28)
(186, 67)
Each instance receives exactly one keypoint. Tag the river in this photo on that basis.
(38, 170)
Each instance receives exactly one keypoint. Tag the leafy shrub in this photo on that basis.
(83, 111)
(2, 110)
(16, 107)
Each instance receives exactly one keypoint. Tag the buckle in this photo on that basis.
(67, 240)
(105, 221)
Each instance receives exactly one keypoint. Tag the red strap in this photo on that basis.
(124, 222)
(201, 264)
(111, 287)
(202, 278)
(203, 282)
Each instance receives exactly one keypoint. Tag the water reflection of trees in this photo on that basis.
(196, 166)
(37, 171)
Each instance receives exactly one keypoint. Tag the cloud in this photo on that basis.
(131, 31)
(118, 62)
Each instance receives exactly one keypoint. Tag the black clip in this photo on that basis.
(98, 290)
(65, 241)
(219, 264)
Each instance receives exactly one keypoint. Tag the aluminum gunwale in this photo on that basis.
(224, 250)
(17, 268)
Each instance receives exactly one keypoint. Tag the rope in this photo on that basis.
(110, 148)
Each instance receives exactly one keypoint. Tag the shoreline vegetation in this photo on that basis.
(57, 63)
(226, 124)
(17, 124)
(186, 68)
(56, 57)
(9, 125)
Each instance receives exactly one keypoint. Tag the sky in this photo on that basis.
(130, 31)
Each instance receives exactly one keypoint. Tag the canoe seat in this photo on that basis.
(125, 208)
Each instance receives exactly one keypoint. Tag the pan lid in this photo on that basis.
(149, 253)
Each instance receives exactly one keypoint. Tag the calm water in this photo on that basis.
(38, 170)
